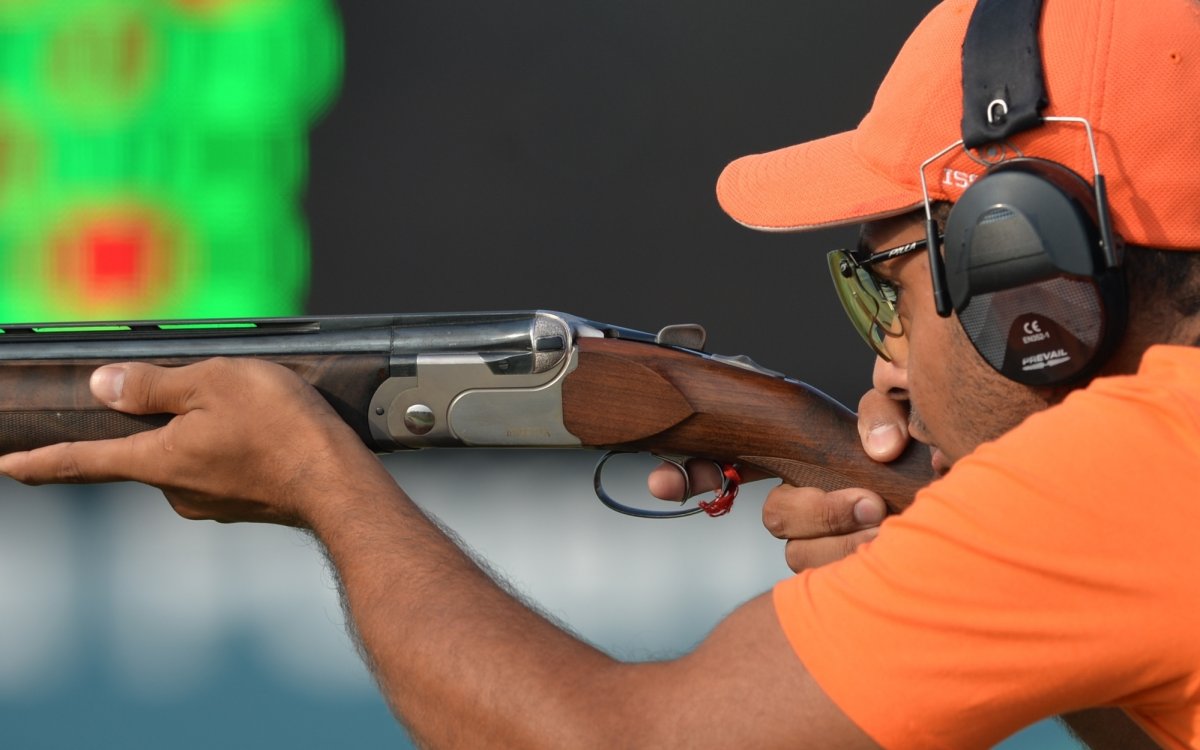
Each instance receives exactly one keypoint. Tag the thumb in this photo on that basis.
(137, 388)
(882, 425)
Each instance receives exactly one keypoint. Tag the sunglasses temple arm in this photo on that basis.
(937, 269)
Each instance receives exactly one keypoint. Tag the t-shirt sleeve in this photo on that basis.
(1023, 584)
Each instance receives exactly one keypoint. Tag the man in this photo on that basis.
(1050, 570)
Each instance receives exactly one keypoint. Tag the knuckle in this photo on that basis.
(798, 555)
(772, 519)
(848, 544)
(782, 508)
(217, 369)
(148, 388)
(791, 512)
(832, 516)
(272, 379)
(68, 469)
(776, 526)
(226, 369)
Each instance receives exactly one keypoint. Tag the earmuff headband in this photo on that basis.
(1004, 90)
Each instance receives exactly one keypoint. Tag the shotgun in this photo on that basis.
(532, 379)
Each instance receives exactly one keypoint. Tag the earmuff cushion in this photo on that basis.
(1026, 273)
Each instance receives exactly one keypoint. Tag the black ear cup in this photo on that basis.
(1026, 273)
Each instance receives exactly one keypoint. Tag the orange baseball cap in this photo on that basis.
(1130, 67)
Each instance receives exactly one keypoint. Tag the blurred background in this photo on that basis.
(226, 158)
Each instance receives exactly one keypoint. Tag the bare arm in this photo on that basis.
(459, 659)
(465, 664)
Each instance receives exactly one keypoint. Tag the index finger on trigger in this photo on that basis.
(667, 483)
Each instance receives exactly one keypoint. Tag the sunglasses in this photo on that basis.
(869, 300)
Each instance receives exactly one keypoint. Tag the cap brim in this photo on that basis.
(817, 184)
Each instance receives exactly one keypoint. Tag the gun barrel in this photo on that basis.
(266, 337)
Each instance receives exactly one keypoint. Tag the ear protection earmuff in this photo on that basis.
(1031, 264)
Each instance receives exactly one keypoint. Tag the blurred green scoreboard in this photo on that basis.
(153, 155)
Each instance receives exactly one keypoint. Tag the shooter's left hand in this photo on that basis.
(252, 442)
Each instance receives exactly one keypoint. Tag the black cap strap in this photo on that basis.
(1004, 91)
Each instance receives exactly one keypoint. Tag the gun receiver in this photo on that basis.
(506, 379)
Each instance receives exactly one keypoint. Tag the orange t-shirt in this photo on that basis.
(1054, 569)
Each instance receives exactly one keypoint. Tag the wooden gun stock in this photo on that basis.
(629, 396)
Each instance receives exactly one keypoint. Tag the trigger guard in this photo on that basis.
(679, 462)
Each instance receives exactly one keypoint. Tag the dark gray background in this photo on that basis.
(562, 154)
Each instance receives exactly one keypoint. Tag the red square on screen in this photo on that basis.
(114, 256)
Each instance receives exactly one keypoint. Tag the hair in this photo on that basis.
(1160, 278)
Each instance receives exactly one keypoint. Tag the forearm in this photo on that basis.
(464, 664)
(1107, 729)
(457, 657)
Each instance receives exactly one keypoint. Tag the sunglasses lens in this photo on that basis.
(866, 303)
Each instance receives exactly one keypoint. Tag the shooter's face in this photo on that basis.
(957, 401)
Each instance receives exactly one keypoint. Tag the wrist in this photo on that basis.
(352, 498)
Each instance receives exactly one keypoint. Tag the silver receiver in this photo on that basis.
(506, 397)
